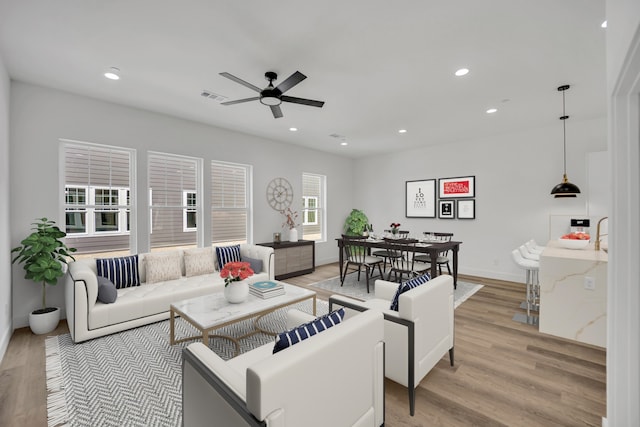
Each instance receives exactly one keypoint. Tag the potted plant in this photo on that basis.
(43, 253)
(356, 223)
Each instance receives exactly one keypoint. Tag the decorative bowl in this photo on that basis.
(573, 243)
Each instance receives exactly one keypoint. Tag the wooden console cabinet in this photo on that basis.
(293, 258)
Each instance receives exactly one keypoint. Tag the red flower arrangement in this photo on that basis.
(395, 226)
(235, 272)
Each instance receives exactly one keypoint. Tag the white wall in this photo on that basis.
(40, 116)
(5, 257)
(623, 322)
(514, 175)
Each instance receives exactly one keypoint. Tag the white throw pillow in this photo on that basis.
(199, 261)
(163, 266)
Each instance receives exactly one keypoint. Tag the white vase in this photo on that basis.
(293, 235)
(43, 323)
(237, 292)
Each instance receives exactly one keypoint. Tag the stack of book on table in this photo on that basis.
(266, 289)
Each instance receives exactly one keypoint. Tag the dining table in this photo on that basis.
(432, 248)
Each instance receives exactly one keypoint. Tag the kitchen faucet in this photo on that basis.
(598, 233)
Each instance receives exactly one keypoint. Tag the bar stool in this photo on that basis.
(533, 247)
(527, 254)
(531, 268)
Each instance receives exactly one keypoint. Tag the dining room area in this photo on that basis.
(397, 255)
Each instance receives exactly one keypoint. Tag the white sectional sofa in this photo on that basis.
(135, 306)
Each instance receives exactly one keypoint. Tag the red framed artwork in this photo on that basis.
(457, 187)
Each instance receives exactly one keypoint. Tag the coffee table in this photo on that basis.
(210, 312)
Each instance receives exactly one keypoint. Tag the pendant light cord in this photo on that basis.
(564, 133)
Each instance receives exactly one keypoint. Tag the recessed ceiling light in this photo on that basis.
(344, 143)
(491, 110)
(293, 129)
(402, 131)
(112, 73)
(604, 24)
(462, 72)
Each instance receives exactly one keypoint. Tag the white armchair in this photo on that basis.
(333, 378)
(418, 334)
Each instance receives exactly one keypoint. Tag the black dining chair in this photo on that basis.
(406, 263)
(386, 254)
(357, 256)
(443, 257)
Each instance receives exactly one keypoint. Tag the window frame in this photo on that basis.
(197, 182)
(320, 209)
(247, 209)
(88, 166)
(189, 209)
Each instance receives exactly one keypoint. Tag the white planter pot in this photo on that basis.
(237, 292)
(293, 235)
(43, 323)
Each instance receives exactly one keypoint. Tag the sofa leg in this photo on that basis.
(451, 355)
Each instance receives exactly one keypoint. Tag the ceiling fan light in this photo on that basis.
(270, 100)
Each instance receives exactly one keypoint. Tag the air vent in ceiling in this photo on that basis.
(338, 136)
(213, 96)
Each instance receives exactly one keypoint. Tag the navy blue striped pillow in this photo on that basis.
(406, 286)
(227, 254)
(302, 332)
(122, 271)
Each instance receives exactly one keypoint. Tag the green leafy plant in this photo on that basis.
(43, 254)
(356, 223)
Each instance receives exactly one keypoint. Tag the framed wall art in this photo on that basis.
(420, 199)
(466, 209)
(446, 209)
(462, 186)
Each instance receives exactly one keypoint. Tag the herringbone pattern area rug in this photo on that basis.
(133, 378)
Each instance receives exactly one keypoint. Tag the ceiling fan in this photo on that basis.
(273, 96)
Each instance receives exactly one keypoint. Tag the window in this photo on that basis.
(174, 202)
(76, 211)
(313, 203)
(190, 212)
(97, 202)
(230, 208)
(310, 215)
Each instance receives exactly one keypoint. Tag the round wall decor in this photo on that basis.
(279, 194)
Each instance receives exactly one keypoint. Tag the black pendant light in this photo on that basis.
(565, 188)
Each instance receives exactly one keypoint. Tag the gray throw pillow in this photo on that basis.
(256, 264)
(107, 292)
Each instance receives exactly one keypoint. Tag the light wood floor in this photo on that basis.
(505, 373)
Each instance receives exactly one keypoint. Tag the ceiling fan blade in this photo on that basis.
(277, 112)
(239, 80)
(239, 101)
(291, 81)
(303, 101)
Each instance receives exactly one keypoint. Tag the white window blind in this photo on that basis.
(313, 203)
(171, 177)
(97, 180)
(229, 202)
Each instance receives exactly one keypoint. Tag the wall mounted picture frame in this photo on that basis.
(446, 209)
(457, 187)
(467, 209)
(420, 198)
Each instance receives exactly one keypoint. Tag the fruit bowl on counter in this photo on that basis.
(574, 241)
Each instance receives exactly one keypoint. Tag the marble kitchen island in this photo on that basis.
(573, 293)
